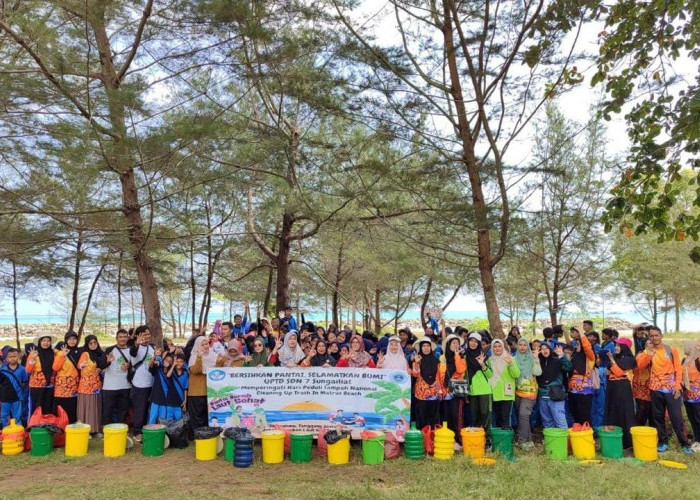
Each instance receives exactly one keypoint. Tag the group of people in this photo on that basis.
(566, 379)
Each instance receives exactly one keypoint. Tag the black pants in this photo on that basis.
(693, 411)
(643, 413)
(198, 410)
(660, 402)
(116, 401)
(139, 400)
(41, 396)
(502, 411)
(427, 412)
(70, 406)
(451, 412)
(580, 406)
(480, 407)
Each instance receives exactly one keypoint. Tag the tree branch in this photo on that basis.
(137, 41)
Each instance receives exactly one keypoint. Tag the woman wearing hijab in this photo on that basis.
(551, 392)
(319, 357)
(619, 401)
(202, 359)
(65, 365)
(90, 364)
(452, 367)
(641, 391)
(478, 373)
(394, 359)
(290, 354)
(581, 382)
(334, 350)
(691, 389)
(234, 355)
(429, 389)
(259, 357)
(504, 373)
(39, 366)
(357, 357)
(526, 389)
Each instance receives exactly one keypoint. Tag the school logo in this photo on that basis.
(399, 377)
(217, 375)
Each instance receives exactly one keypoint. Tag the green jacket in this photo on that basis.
(507, 380)
(479, 385)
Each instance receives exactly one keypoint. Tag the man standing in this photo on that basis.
(116, 388)
(288, 320)
(241, 323)
(142, 381)
(665, 386)
(196, 332)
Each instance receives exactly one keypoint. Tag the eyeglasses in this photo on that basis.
(257, 345)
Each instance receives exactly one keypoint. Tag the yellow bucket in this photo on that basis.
(205, 449)
(644, 442)
(115, 440)
(273, 447)
(582, 444)
(339, 453)
(77, 439)
(473, 442)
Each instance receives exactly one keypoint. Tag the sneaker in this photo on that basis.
(99, 435)
(662, 448)
(138, 438)
(527, 445)
(89, 436)
(688, 450)
(458, 447)
(695, 447)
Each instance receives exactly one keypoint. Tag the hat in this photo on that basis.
(449, 339)
(624, 341)
(265, 319)
(417, 343)
(475, 335)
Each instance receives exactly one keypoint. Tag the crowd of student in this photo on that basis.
(567, 379)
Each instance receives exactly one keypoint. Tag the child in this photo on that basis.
(169, 396)
(13, 383)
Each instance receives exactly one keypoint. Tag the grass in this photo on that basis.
(178, 475)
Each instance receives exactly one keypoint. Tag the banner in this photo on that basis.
(308, 399)
(435, 312)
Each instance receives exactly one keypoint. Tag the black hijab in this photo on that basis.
(625, 360)
(473, 366)
(46, 357)
(334, 355)
(450, 361)
(97, 355)
(428, 364)
(578, 359)
(322, 359)
(551, 369)
(73, 352)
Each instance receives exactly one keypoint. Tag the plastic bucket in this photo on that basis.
(77, 439)
(301, 444)
(473, 441)
(205, 449)
(644, 442)
(153, 440)
(502, 441)
(339, 452)
(611, 442)
(273, 447)
(582, 444)
(373, 450)
(229, 449)
(42, 442)
(556, 443)
(115, 439)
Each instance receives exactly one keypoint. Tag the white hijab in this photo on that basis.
(394, 361)
(286, 354)
(208, 359)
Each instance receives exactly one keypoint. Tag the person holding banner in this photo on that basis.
(319, 356)
(357, 357)
(394, 359)
(429, 388)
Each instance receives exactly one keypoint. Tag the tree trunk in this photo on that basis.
(268, 291)
(76, 281)
(89, 300)
(554, 307)
(119, 290)
(677, 309)
(193, 284)
(665, 313)
(282, 298)
(325, 307)
(424, 304)
(398, 308)
(377, 313)
(14, 302)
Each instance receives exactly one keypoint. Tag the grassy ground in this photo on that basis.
(178, 475)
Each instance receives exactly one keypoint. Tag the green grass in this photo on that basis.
(178, 475)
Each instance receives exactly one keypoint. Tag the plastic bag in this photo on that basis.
(321, 444)
(392, 449)
(428, 439)
(287, 438)
(177, 430)
(206, 432)
(60, 420)
(332, 436)
(52, 428)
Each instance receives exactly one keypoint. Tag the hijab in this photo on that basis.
(625, 359)
(498, 363)
(524, 361)
(322, 359)
(334, 355)
(551, 369)
(451, 366)
(286, 354)
(46, 358)
(208, 359)
(691, 354)
(96, 355)
(578, 359)
(428, 363)
(234, 344)
(395, 361)
(73, 352)
(473, 366)
(359, 358)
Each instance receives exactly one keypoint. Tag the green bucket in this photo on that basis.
(42, 442)
(229, 449)
(611, 442)
(153, 440)
(502, 441)
(556, 443)
(373, 450)
(301, 444)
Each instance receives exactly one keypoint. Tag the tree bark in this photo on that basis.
(83, 320)
(426, 298)
(119, 290)
(282, 262)
(377, 312)
(76, 281)
(193, 284)
(677, 310)
(14, 302)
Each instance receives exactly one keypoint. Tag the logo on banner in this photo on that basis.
(217, 375)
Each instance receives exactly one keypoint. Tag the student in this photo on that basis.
(288, 320)
(581, 382)
(478, 373)
(394, 359)
(619, 401)
(357, 357)
(259, 357)
(551, 392)
(202, 359)
(13, 383)
(665, 386)
(319, 357)
(116, 387)
(641, 392)
(169, 395)
(65, 366)
(142, 381)
(241, 324)
(452, 367)
(91, 363)
(39, 366)
(290, 354)
(548, 334)
(504, 373)
(691, 389)
(429, 389)
(526, 389)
